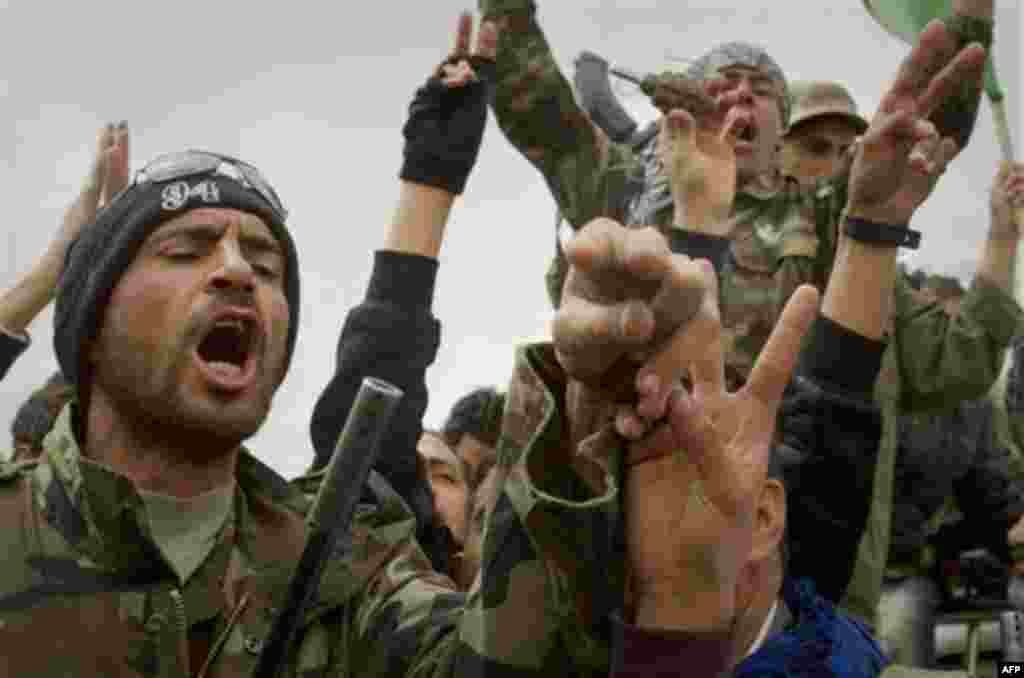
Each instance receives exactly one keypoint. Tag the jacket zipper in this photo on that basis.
(181, 622)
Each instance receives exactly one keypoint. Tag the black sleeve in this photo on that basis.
(700, 246)
(10, 348)
(990, 499)
(393, 336)
(829, 431)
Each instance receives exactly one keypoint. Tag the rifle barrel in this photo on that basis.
(331, 515)
(626, 75)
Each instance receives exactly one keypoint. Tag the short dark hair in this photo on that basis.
(35, 417)
(478, 413)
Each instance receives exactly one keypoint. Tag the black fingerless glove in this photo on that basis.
(445, 128)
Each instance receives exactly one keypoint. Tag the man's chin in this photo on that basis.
(239, 424)
(222, 424)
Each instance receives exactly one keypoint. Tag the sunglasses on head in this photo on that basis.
(184, 164)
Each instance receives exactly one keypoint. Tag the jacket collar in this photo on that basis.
(99, 512)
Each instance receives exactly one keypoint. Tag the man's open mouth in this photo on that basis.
(745, 130)
(227, 353)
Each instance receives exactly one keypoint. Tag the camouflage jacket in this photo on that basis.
(86, 592)
(774, 228)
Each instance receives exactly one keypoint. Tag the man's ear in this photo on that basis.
(770, 521)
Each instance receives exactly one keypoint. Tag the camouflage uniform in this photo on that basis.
(85, 591)
(782, 236)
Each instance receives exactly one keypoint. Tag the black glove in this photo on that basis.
(445, 128)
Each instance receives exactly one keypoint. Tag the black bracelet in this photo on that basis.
(875, 233)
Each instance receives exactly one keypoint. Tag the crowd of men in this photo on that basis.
(736, 454)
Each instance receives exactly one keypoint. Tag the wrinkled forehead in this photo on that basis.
(249, 225)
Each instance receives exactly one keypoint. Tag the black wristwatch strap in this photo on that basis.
(875, 233)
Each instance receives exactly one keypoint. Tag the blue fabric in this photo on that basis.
(822, 643)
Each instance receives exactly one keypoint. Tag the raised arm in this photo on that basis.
(393, 334)
(20, 304)
(539, 115)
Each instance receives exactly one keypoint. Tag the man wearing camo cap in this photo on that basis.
(824, 125)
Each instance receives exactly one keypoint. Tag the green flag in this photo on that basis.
(907, 18)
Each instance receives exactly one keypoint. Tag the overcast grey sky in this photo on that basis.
(315, 95)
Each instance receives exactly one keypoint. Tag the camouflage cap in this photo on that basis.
(815, 98)
(743, 54)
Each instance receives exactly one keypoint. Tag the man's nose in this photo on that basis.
(745, 90)
(235, 271)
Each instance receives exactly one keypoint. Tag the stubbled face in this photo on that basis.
(447, 482)
(194, 337)
(817, 148)
(759, 132)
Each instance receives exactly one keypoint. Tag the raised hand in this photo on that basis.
(901, 155)
(1007, 200)
(449, 113)
(697, 150)
(626, 298)
(108, 176)
(693, 484)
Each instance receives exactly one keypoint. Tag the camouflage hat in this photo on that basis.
(742, 54)
(815, 98)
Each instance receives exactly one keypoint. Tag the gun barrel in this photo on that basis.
(626, 75)
(331, 515)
